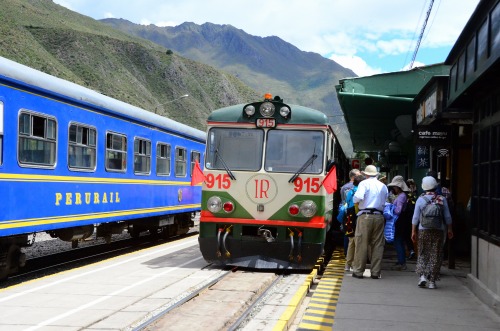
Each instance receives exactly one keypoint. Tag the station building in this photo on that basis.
(444, 117)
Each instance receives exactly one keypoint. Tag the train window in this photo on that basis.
(180, 162)
(142, 156)
(116, 152)
(238, 149)
(37, 139)
(195, 156)
(162, 159)
(290, 150)
(1, 132)
(81, 147)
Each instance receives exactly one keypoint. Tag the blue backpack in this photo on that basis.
(390, 222)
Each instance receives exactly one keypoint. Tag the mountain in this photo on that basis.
(57, 41)
(268, 65)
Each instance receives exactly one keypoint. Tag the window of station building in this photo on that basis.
(461, 70)
(485, 200)
(142, 156)
(1, 132)
(116, 152)
(195, 156)
(180, 162)
(495, 26)
(471, 59)
(37, 140)
(482, 44)
(163, 159)
(81, 147)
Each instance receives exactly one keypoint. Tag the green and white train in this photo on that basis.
(264, 199)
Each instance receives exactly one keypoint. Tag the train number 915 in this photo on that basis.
(310, 185)
(220, 181)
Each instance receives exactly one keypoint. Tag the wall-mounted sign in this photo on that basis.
(443, 152)
(428, 108)
(422, 157)
(355, 163)
(433, 135)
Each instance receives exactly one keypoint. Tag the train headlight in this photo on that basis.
(214, 204)
(228, 207)
(267, 109)
(293, 210)
(284, 111)
(308, 208)
(249, 110)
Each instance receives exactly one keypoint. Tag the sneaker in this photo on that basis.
(411, 256)
(376, 276)
(422, 282)
(357, 276)
(432, 285)
(347, 268)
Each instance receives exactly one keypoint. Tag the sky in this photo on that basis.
(367, 36)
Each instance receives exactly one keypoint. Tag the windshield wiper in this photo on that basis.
(301, 170)
(225, 165)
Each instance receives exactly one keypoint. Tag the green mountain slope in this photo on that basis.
(266, 64)
(50, 38)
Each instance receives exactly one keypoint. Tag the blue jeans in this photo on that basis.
(399, 245)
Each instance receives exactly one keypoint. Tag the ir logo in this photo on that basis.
(261, 189)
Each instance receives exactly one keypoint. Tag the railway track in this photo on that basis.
(224, 302)
(168, 286)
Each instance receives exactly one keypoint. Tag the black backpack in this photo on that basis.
(431, 216)
(349, 222)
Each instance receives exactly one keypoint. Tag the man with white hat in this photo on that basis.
(371, 196)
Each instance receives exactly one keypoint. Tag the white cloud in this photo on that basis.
(109, 15)
(415, 65)
(356, 64)
(393, 46)
(363, 30)
(166, 23)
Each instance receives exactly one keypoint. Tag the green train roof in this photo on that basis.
(299, 115)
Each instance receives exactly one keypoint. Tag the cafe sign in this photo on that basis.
(428, 108)
(433, 135)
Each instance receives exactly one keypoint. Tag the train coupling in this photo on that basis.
(266, 234)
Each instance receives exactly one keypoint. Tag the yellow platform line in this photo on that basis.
(310, 326)
(322, 320)
(320, 312)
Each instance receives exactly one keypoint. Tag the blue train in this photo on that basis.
(73, 161)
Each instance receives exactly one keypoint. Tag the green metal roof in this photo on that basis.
(372, 105)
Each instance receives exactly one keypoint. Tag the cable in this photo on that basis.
(421, 35)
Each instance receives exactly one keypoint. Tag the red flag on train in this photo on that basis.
(330, 181)
(197, 175)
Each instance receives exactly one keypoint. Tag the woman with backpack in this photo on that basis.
(430, 218)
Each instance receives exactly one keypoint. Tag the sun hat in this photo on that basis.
(429, 183)
(370, 170)
(399, 182)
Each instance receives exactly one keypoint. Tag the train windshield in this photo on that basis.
(234, 149)
(291, 150)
